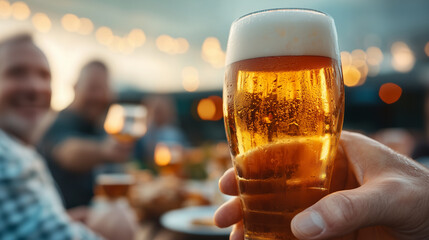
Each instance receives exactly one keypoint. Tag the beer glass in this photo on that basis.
(283, 110)
(126, 122)
(114, 186)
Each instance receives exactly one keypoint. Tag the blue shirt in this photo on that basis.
(76, 188)
(30, 207)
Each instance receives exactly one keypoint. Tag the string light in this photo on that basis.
(190, 80)
(41, 22)
(355, 68)
(402, 57)
(20, 11)
(136, 38)
(70, 22)
(5, 9)
(212, 52)
(86, 26)
(374, 56)
(104, 35)
(170, 45)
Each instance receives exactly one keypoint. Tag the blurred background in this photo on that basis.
(168, 56)
(179, 49)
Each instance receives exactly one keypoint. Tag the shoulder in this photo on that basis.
(65, 116)
(15, 158)
(64, 122)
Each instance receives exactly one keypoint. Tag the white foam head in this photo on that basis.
(282, 32)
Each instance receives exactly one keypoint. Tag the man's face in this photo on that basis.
(25, 90)
(93, 92)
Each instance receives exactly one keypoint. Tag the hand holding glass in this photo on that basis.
(283, 110)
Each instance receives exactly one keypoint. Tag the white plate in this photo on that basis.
(181, 221)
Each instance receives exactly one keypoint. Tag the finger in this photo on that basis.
(343, 176)
(228, 183)
(237, 232)
(340, 213)
(366, 157)
(339, 172)
(229, 213)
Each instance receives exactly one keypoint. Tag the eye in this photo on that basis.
(17, 72)
(45, 74)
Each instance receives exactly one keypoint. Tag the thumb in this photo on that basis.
(340, 213)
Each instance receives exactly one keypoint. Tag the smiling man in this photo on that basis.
(30, 207)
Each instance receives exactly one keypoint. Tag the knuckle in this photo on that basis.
(347, 206)
(342, 209)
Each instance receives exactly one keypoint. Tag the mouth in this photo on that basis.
(31, 112)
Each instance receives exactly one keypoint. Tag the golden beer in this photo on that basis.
(283, 118)
(114, 186)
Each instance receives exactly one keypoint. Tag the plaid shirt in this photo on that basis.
(30, 207)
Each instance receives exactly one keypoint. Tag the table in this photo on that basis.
(154, 231)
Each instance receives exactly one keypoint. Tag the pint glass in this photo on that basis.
(283, 111)
(114, 186)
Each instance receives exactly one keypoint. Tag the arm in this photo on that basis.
(80, 155)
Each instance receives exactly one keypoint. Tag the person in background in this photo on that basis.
(162, 127)
(76, 144)
(397, 139)
(30, 206)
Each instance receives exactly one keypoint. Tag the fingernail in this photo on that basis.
(308, 223)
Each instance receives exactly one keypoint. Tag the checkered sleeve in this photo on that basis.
(29, 205)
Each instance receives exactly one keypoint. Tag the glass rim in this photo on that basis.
(281, 9)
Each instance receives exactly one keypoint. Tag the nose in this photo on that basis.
(38, 89)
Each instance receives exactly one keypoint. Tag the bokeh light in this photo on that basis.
(162, 154)
(104, 35)
(351, 76)
(363, 70)
(190, 79)
(358, 54)
(172, 45)
(86, 26)
(206, 109)
(136, 38)
(41, 22)
(390, 93)
(358, 62)
(5, 9)
(210, 109)
(183, 45)
(346, 59)
(212, 52)
(164, 43)
(374, 56)
(219, 109)
(403, 59)
(355, 67)
(70, 22)
(20, 10)
(120, 45)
